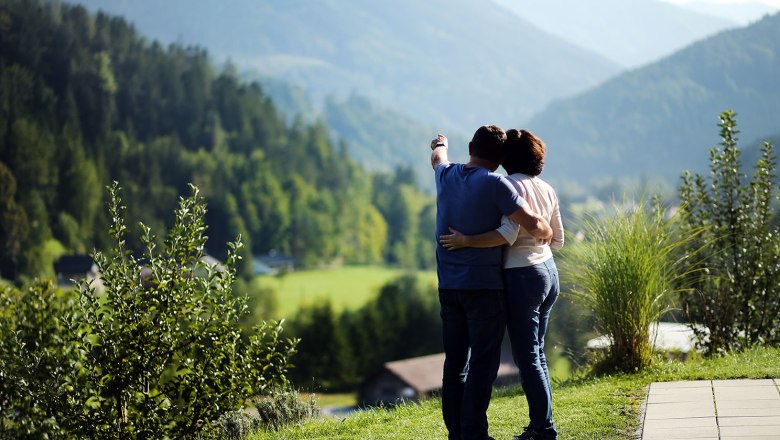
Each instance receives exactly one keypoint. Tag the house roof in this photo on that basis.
(421, 373)
(73, 264)
(424, 373)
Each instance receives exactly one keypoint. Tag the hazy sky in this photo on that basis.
(775, 3)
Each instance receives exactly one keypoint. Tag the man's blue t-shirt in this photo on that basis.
(471, 200)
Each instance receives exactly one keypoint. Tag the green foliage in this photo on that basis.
(13, 225)
(735, 298)
(85, 100)
(626, 273)
(154, 349)
(280, 408)
(338, 351)
(35, 361)
(410, 218)
(284, 407)
(325, 360)
(162, 351)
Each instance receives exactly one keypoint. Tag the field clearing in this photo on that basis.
(347, 288)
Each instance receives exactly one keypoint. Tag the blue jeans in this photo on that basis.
(531, 292)
(473, 323)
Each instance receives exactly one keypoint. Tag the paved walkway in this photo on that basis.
(713, 410)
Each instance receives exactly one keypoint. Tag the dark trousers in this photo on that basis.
(531, 292)
(473, 326)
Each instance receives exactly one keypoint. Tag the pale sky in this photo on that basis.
(775, 3)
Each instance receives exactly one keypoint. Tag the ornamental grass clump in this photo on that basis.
(626, 271)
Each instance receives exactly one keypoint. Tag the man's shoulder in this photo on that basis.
(445, 166)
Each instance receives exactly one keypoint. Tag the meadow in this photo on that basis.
(347, 288)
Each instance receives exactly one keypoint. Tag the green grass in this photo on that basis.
(348, 288)
(600, 408)
(340, 400)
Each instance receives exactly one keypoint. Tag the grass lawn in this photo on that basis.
(341, 400)
(599, 408)
(348, 288)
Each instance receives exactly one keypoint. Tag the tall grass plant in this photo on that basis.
(626, 271)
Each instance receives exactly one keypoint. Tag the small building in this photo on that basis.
(211, 261)
(74, 267)
(273, 263)
(670, 338)
(417, 378)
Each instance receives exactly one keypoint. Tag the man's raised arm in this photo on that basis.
(532, 222)
(439, 151)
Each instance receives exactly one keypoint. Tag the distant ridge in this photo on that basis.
(451, 64)
(629, 32)
(662, 118)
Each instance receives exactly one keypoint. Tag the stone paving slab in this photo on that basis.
(749, 412)
(748, 404)
(718, 409)
(682, 410)
(693, 422)
(745, 421)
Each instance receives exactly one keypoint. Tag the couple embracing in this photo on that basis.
(486, 287)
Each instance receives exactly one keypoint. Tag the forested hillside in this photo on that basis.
(659, 120)
(454, 65)
(85, 100)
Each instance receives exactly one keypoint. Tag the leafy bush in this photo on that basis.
(626, 273)
(156, 351)
(736, 297)
(34, 351)
(283, 407)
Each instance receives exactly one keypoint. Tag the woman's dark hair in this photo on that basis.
(524, 153)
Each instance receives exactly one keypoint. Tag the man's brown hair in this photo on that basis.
(488, 143)
(524, 153)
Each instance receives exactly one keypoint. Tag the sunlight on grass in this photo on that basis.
(601, 408)
(348, 288)
(327, 400)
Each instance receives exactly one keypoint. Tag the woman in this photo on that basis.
(530, 276)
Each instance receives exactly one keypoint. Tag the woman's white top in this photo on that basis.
(524, 249)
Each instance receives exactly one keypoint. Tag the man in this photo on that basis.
(471, 198)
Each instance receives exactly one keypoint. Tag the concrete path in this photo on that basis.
(713, 410)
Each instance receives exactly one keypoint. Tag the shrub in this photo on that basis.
(34, 353)
(736, 297)
(626, 272)
(156, 351)
(283, 407)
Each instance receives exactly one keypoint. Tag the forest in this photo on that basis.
(85, 101)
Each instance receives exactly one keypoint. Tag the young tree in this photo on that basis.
(160, 351)
(735, 299)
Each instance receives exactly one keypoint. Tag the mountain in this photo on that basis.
(380, 138)
(662, 118)
(85, 101)
(454, 65)
(744, 13)
(629, 32)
